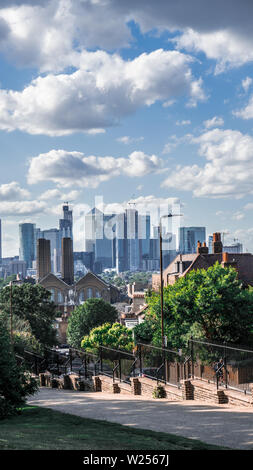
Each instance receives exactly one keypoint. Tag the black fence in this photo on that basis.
(223, 364)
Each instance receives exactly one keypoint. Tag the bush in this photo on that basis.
(159, 392)
(15, 383)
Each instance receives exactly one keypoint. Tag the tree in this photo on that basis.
(32, 303)
(211, 304)
(92, 313)
(114, 336)
(15, 383)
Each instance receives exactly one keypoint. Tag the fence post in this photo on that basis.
(140, 357)
(101, 358)
(225, 365)
(192, 356)
(70, 359)
(120, 370)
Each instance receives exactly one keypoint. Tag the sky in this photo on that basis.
(119, 101)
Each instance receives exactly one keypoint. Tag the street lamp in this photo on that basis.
(161, 269)
(11, 319)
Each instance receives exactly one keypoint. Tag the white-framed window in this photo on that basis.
(81, 296)
(98, 294)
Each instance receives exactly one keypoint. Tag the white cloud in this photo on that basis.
(17, 208)
(12, 192)
(104, 89)
(51, 34)
(185, 122)
(68, 168)
(247, 111)
(228, 170)
(246, 84)
(129, 140)
(214, 122)
(57, 194)
(227, 47)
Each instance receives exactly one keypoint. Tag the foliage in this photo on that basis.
(159, 392)
(15, 383)
(92, 313)
(5, 282)
(23, 338)
(32, 303)
(114, 336)
(144, 332)
(208, 304)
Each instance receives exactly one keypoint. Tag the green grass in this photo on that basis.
(44, 429)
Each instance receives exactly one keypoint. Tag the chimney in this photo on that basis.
(217, 243)
(43, 260)
(226, 262)
(67, 268)
(202, 249)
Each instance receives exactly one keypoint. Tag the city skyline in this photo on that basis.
(129, 102)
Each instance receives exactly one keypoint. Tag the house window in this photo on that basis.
(98, 295)
(89, 293)
(81, 296)
(52, 294)
(60, 297)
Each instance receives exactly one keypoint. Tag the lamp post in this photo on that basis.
(11, 319)
(161, 270)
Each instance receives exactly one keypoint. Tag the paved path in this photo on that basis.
(223, 425)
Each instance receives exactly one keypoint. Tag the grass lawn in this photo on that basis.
(44, 429)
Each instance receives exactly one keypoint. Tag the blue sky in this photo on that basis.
(143, 101)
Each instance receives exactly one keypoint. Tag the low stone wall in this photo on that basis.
(203, 391)
(147, 387)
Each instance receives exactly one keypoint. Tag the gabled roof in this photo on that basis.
(52, 276)
(92, 275)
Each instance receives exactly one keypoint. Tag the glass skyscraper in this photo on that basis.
(27, 243)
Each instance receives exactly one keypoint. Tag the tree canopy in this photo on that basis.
(32, 303)
(209, 304)
(92, 313)
(15, 383)
(114, 336)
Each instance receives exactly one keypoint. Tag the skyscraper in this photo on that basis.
(1, 254)
(189, 237)
(66, 224)
(27, 241)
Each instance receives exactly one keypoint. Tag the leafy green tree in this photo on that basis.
(33, 304)
(114, 336)
(210, 304)
(90, 314)
(15, 383)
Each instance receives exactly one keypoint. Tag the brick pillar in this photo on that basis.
(136, 386)
(97, 384)
(187, 390)
(221, 397)
(115, 388)
(42, 380)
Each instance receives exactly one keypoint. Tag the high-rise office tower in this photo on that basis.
(66, 223)
(67, 268)
(27, 247)
(189, 237)
(1, 254)
(43, 260)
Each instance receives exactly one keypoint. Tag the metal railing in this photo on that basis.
(226, 365)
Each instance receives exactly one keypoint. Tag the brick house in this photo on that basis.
(202, 259)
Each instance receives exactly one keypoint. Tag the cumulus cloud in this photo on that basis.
(214, 122)
(228, 170)
(246, 84)
(247, 111)
(17, 208)
(68, 168)
(51, 34)
(51, 194)
(12, 192)
(99, 94)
